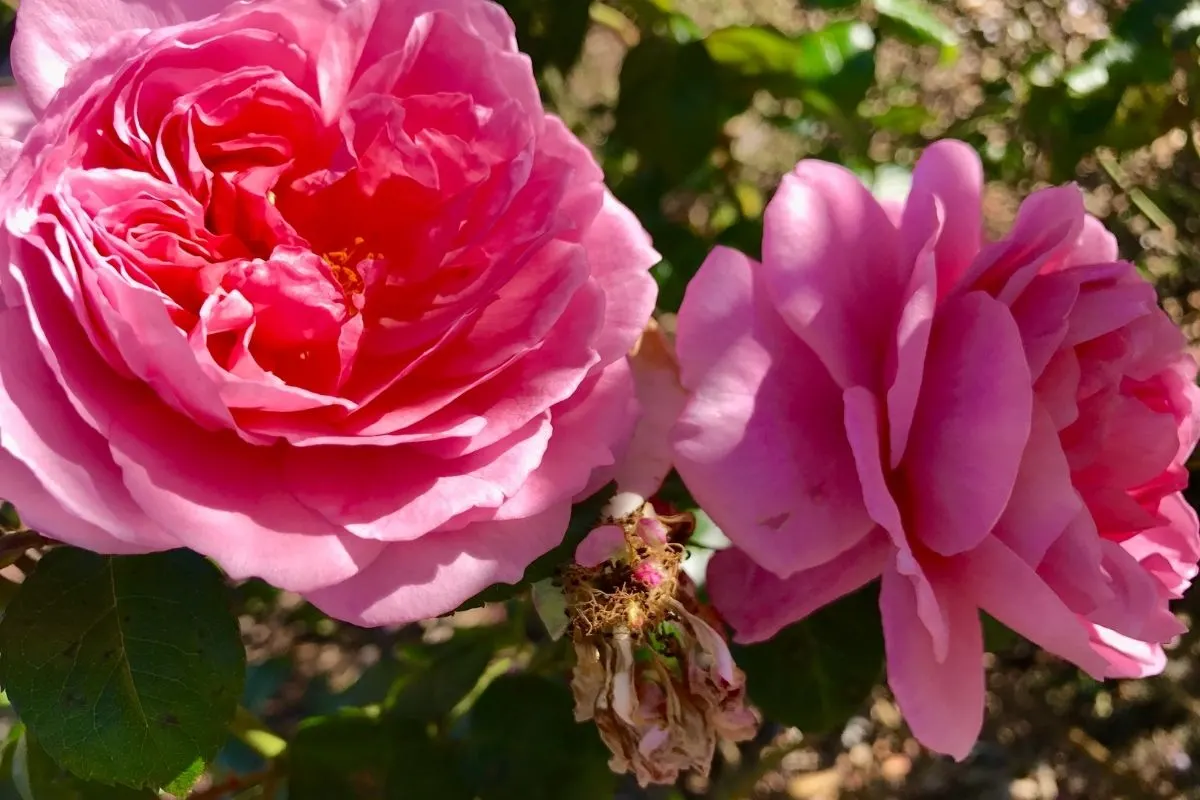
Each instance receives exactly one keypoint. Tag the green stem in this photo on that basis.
(253, 733)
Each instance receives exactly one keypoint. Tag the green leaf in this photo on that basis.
(37, 777)
(816, 673)
(584, 517)
(998, 637)
(551, 34)
(8, 752)
(551, 606)
(424, 767)
(10, 520)
(903, 119)
(1146, 20)
(830, 69)
(1093, 74)
(182, 783)
(916, 21)
(838, 57)
(668, 108)
(435, 678)
(524, 744)
(127, 669)
(754, 50)
(343, 756)
(354, 756)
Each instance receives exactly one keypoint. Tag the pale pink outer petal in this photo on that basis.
(761, 443)
(827, 244)
(1005, 586)
(648, 460)
(16, 117)
(228, 501)
(1127, 658)
(398, 494)
(759, 604)
(602, 544)
(1094, 246)
(950, 172)
(487, 20)
(435, 574)
(44, 513)
(619, 251)
(591, 430)
(54, 35)
(1177, 543)
(620, 256)
(65, 461)
(942, 700)
(1047, 227)
(976, 398)
(1138, 608)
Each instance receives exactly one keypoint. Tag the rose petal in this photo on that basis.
(59, 459)
(761, 443)
(1005, 586)
(863, 429)
(912, 335)
(588, 430)
(759, 604)
(43, 512)
(1126, 657)
(435, 574)
(54, 35)
(602, 544)
(648, 460)
(941, 700)
(975, 399)
(16, 117)
(1043, 501)
(1048, 224)
(827, 244)
(398, 494)
(950, 172)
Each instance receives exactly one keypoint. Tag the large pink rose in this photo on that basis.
(987, 425)
(314, 288)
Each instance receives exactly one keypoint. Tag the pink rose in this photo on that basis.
(988, 425)
(317, 289)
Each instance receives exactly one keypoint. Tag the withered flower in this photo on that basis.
(657, 678)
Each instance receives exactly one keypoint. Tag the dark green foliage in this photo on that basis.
(816, 673)
(127, 669)
(524, 744)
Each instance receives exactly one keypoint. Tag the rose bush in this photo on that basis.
(986, 425)
(316, 289)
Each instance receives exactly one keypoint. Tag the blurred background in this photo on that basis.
(695, 108)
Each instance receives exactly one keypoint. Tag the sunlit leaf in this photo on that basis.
(917, 21)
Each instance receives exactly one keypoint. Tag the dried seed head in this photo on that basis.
(656, 677)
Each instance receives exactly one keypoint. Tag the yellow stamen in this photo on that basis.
(343, 263)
